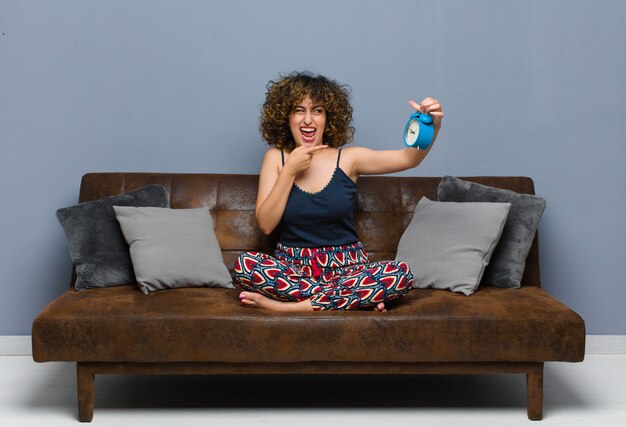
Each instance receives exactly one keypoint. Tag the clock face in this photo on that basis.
(412, 132)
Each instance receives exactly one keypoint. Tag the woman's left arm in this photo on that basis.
(374, 162)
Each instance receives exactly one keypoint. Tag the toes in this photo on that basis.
(250, 296)
(246, 298)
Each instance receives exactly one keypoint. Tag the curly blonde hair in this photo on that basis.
(282, 97)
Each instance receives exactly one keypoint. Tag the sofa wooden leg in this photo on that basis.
(85, 383)
(534, 393)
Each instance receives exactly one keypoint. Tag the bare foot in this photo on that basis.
(255, 300)
(381, 307)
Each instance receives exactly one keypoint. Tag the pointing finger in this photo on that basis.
(415, 105)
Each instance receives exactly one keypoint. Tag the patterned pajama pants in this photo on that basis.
(332, 278)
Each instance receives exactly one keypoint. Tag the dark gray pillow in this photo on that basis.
(97, 245)
(173, 248)
(507, 264)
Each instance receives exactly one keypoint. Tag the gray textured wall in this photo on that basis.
(531, 88)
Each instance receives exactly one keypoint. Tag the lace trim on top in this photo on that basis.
(313, 193)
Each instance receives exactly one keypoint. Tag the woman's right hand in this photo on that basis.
(300, 158)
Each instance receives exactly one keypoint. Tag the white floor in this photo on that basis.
(591, 393)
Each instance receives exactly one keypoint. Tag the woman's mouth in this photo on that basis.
(308, 134)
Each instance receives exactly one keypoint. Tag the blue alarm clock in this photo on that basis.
(419, 131)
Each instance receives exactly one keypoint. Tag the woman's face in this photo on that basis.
(307, 122)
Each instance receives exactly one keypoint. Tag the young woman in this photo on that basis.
(307, 187)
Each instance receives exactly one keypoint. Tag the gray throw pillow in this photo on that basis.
(96, 243)
(173, 248)
(448, 245)
(509, 259)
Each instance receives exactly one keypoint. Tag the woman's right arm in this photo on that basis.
(274, 186)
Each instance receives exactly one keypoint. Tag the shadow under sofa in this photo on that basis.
(119, 330)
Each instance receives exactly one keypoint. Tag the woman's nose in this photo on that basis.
(308, 118)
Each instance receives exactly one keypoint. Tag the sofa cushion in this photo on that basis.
(173, 248)
(97, 246)
(448, 244)
(204, 325)
(506, 268)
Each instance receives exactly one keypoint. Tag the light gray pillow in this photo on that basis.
(173, 248)
(448, 245)
(509, 259)
(97, 247)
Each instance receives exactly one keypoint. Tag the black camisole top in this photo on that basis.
(324, 218)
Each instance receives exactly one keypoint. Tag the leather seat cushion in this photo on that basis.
(121, 324)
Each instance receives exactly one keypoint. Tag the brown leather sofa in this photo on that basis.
(119, 330)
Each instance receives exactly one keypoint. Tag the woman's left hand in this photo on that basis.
(429, 106)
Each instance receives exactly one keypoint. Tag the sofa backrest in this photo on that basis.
(384, 207)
